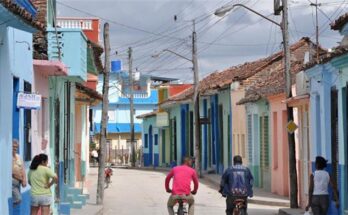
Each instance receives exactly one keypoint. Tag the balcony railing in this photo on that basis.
(69, 46)
(75, 23)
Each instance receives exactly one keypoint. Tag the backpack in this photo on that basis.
(239, 185)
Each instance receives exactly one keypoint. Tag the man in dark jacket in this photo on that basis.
(236, 183)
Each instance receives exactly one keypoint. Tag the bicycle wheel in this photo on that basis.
(242, 211)
(180, 210)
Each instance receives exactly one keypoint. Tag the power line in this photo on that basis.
(118, 23)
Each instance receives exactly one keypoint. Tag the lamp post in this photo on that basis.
(287, 74)
(194, 62)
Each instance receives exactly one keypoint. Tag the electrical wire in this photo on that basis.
(118, 23)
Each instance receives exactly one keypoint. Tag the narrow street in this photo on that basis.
(142, 192)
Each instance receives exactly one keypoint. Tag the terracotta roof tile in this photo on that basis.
(339, 23)
(270, 79)
(22, 13)
(326, 57)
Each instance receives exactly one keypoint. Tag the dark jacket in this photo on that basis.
(228, 177)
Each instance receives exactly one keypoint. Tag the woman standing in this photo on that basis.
(319, 199)
(41, 178)
(18, 174)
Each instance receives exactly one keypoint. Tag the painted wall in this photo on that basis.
(16, 61)
(73, 50)
(151, 145)
(322, 79)
(224, 98)
(40, 118)
(58, 91)
(239, 133)
(258, 162)
(280, 152)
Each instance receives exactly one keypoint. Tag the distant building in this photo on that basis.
(118, 129)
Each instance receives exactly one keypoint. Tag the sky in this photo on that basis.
(148, 26)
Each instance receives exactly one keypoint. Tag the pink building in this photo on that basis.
(43, 70)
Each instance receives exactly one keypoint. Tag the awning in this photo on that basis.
(146, 115)
(297, 100)
(50, 68)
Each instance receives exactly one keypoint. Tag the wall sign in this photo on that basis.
(28, 101)
(162, 119)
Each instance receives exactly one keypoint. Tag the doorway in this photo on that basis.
(334, 136)
(150, 146)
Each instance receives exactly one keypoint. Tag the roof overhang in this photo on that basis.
(14, 16)
(147, 115)
(87, 95)
(50, 68)
(297, 100)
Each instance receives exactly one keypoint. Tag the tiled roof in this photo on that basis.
(339, 23)
(146, 115)
(326, 57)
(245, 72)
(22, 13)
(270, 79)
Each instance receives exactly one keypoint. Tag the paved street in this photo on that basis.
(142, 192)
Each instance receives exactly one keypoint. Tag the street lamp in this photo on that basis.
(285, 32)
(222, 11)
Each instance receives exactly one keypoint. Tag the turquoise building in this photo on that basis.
(328, 108)
(16, 69)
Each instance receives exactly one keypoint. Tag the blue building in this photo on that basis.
(118, 128)
(328, 102)
(16, 60)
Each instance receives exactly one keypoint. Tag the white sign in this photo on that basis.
(162, 119)
(28, 101)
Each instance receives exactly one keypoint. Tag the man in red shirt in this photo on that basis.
(183, 175)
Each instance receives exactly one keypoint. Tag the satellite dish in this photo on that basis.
(277, 7)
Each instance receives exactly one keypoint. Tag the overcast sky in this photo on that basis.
(149, 27)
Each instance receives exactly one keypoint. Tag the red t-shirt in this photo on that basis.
(183, 175)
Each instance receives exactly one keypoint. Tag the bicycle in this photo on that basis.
(107, 179)
(239, 207)
(182, 207)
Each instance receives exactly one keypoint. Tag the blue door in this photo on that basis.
(156, 155)
(150, 146)
(15, 110)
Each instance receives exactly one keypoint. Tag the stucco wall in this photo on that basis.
(239, 133)
(280, 155)
(16, 60)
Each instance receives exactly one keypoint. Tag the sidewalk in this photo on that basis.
(90, 208)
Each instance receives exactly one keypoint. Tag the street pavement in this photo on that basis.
(142, 192)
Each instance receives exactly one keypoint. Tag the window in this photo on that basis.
(146, 137)
(250, 136)
(243, 150)
(111, 115)
(27, 127)
(264, 141)
(275, 140)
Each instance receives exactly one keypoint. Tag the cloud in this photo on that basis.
(239, 37)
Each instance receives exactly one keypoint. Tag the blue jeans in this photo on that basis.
(16, 191)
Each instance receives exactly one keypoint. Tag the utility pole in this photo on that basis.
(105, 109)
(290, 112)
(196, 101)
(131, 101)
(316, 5)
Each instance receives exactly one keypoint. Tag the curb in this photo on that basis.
(290, 211)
